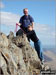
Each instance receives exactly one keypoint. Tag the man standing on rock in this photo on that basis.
(27, 24)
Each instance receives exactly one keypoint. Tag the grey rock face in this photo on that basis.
(17, 56)
(11, 35)
(3, 40)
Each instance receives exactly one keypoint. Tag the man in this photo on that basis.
(27, 24)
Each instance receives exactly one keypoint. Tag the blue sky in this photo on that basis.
(42, 11)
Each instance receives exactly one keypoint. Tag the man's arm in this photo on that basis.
(32, 24)
(32, 21)
(30, 27)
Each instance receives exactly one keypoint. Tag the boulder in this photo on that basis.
(17, 55)
(3, 40)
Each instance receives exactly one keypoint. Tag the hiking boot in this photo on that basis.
(42, 64)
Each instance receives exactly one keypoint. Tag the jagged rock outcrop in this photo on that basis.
(17, 56)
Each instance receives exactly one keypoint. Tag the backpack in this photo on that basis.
(28, 17)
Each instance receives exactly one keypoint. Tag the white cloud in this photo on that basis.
(41, 27)
(1, 5)
(46, 33)
(45, 29)
(8, 18)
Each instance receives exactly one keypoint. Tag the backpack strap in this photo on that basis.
(28, 17)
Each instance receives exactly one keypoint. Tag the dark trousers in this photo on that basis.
(32, 35)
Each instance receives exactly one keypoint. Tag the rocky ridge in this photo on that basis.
(17, 57)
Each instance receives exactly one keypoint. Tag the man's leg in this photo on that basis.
(32, 36)
(37, 44)
(39, 49)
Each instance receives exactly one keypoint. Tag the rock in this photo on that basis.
(11, 35)
(3, 40)
(20, 40)
(17, 56)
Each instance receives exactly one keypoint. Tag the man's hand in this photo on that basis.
(18, 24)
(30, 28)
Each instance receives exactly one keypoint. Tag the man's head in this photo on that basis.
(25, 11)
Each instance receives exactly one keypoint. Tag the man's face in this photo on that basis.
(26, 11)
